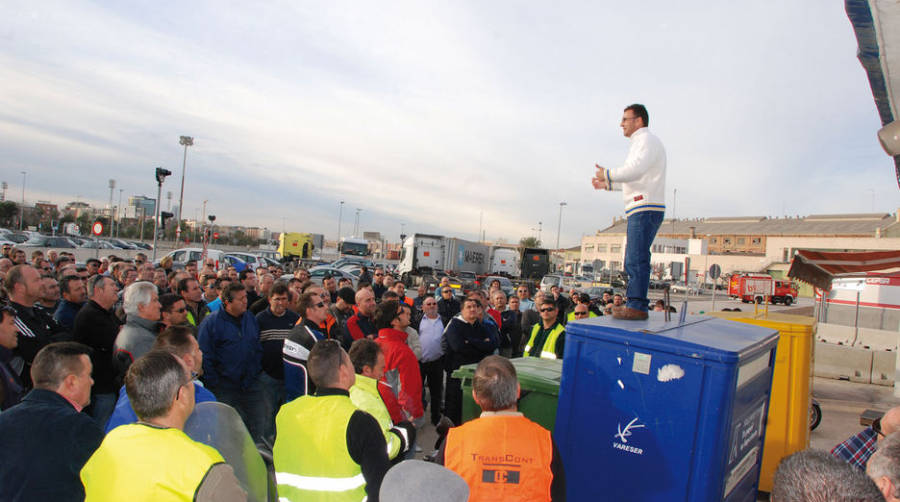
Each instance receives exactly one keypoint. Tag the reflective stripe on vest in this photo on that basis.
(311, 457)
(318, 484)
(502, 457)
(118, 469)
(548, 351)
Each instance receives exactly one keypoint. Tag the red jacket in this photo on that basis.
(401, 370)
(496, 315)
(390, 402)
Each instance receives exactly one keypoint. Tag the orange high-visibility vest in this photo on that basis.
(502, 457)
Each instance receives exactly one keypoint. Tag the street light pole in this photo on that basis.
(340, 219)
(22, 207)
(156, 218)
(559, 223)
(540, 229)
(112, 187)
(186, 141)
(119, 218)
(356, 224)
(160, 177)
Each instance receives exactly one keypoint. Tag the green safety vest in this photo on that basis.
(311, 458)
(548, 351)
(365, 396)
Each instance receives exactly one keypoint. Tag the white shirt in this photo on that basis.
(642, 178)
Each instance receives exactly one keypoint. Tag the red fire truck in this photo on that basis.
(761, 287)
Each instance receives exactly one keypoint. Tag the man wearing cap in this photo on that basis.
(642, 180)
(532, 468)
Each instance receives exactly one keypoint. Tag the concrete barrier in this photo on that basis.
(884, 364)
(877, 339)
(835, 333)
(841, 362)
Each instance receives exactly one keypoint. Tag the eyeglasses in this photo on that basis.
(549, 309)
(378, 275)
(446, 291)
(579, 314)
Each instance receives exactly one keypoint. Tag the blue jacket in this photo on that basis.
(232, 354)
(43, 446)
(124, 413)
(65, 313)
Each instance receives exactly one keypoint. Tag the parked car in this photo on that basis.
(17, 237)
(141, 245)
(250, 259)
(96, 244)
(351, 260)
(231, 260)
(317, 274)
(184, 255)
(46, 241)
(680, 287)
(505, 284)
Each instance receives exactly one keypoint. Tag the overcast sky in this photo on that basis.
(431, 114)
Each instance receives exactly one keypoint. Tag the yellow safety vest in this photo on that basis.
(311, 458)
(548, 351)
(139, 462)
(365, 396)
(571, 316)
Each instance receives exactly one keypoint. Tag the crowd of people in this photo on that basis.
(101, 364)
(113, 354)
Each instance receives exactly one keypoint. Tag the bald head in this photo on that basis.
(365, 301)
(890, 422)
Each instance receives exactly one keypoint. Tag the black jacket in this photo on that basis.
(467, 343)
(97, 328)
(36, 330)
(448, 309)
(43, 447)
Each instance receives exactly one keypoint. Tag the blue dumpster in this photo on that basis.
(654, 410)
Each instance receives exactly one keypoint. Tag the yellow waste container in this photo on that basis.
(787, 429)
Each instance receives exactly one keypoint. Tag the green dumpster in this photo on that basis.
(539, 380)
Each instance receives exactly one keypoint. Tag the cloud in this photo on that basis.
(435, 115)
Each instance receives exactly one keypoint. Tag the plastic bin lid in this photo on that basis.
(535, 374)
(700, 337)
(785, 323)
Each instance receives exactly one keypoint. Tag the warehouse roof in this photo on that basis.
(849, 225)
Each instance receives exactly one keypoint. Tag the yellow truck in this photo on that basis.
(296, 244)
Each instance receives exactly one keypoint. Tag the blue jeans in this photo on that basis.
(251, 404)
(273, 392)
(102, 406)
(641, 231)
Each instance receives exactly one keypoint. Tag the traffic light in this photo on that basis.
(163, 216)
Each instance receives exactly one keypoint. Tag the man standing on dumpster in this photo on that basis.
(642, 180)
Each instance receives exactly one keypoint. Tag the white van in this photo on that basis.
(184, 255)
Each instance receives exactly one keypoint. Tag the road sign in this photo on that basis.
(215, 235)
(97, 228)
(715, 271)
